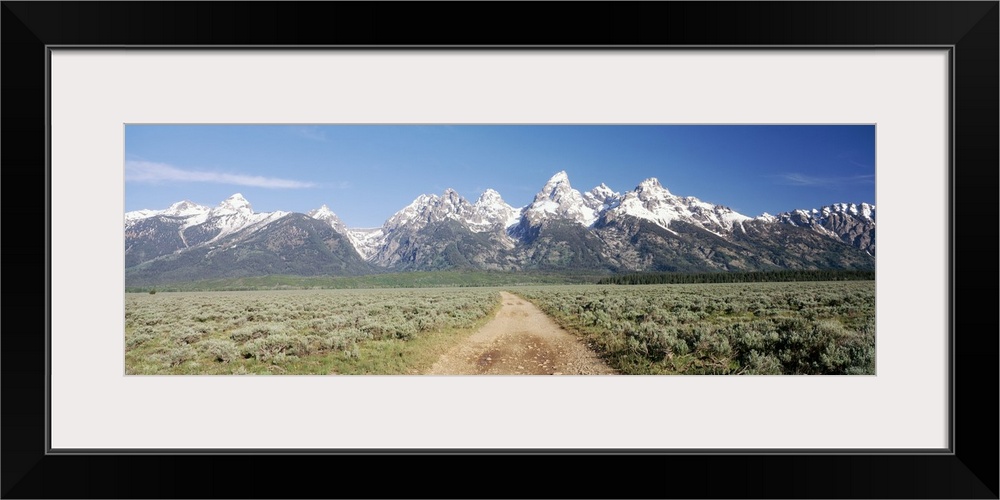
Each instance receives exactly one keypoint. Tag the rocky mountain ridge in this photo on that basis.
(645, 229)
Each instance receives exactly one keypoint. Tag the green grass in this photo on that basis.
(315, 332)
(428, 279)
(745, 328)
(391, 357)
(721, 329)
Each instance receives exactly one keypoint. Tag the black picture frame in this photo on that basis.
(969, 470)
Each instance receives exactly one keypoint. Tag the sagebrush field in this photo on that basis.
(748, 328)
(298, 332)
(744, 328)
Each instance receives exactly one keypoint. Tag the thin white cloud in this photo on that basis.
(312, 133)
(797, 179)
(153, 173)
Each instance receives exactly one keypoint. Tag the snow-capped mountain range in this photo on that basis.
(559, 200)
(233, 214)
(648, 228)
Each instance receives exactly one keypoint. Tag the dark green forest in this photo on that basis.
(743, 277)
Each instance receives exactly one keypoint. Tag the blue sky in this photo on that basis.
(365, 173)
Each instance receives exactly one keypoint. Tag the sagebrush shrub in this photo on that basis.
(176, 356)
(764, 328)
(221, 350)
(137, 339)
(257, 331)
(266, 348)
(186, 335)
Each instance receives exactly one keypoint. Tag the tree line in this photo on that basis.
(739, 277)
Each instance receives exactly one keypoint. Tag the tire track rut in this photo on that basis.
(520, 340)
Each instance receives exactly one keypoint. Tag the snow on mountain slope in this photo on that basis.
(426, 209)
(821, 216)
(492, 212)
(231, 215)
(559, 200)
(489, 213)
(851, 223)
(236, 214)
(446, 229)
(864, 210)
(191, 212)
(653, 202)
(601, 198)
(137, 215)
(324, 214)
(366, 241)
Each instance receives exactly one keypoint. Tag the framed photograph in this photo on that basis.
(113, 102)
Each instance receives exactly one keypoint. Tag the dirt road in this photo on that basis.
(520, 340)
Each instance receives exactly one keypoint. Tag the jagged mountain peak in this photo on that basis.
(558, 185)
(428, 208)
(324, 213)
(852, 223)
(562, 225)
(653, 202)
(603, 191)
(453, 199)
(489, 197)
(182, 205)
(322, 210)
(601, 198)
(237, 203)
(489, 212)
(863, 210)
(560, 176)
(492, 211)
(185, 208)
(653, 185)
(651, 191)
(559, 200)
